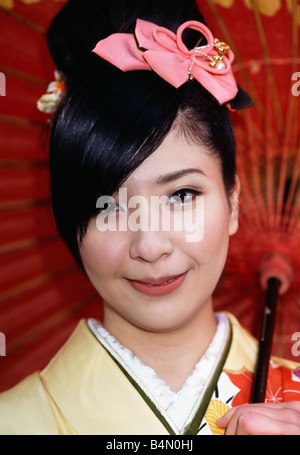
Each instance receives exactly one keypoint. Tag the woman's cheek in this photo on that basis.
(103, 252)
(216, 231)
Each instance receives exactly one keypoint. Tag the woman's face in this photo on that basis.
(156, 255)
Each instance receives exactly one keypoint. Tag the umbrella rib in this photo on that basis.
(254, 159)
(290, 137)
(26, 243)
(50, 322)
(20, 121)
(18, 163)
(23, 76)
(291, 213)
(18, 17)
(272, 102)
(272, 89)
(29, 203)
(34, 283)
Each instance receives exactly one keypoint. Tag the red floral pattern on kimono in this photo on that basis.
(283, 385)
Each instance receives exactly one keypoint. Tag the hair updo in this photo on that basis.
(109, 121)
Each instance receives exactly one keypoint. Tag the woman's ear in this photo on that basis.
(234, 203)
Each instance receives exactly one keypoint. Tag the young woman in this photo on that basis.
(145, 194)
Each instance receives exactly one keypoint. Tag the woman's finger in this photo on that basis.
(263, 418)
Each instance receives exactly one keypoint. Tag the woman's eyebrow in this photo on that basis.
(167, 178)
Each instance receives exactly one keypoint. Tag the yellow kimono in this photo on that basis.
(88, 389)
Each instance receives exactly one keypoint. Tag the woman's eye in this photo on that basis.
(183, 197)
(108, 206)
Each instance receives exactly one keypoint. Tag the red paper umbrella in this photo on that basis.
(42, 294)
(264, 36)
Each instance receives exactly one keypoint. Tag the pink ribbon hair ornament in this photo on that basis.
(158, 49)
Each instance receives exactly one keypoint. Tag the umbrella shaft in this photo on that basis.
(265, 342)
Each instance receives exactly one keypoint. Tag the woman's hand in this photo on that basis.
(262, 419)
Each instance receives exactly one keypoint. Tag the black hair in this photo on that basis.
(110, 121)
(81, 24)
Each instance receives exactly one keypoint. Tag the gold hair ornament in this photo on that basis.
(50, 100)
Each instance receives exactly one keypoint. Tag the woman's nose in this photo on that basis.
(150, 246)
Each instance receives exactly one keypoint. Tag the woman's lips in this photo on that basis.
(162, 286)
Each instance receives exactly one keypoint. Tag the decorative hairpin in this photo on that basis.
(158, 49)
(215, 61)
(49, 101)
